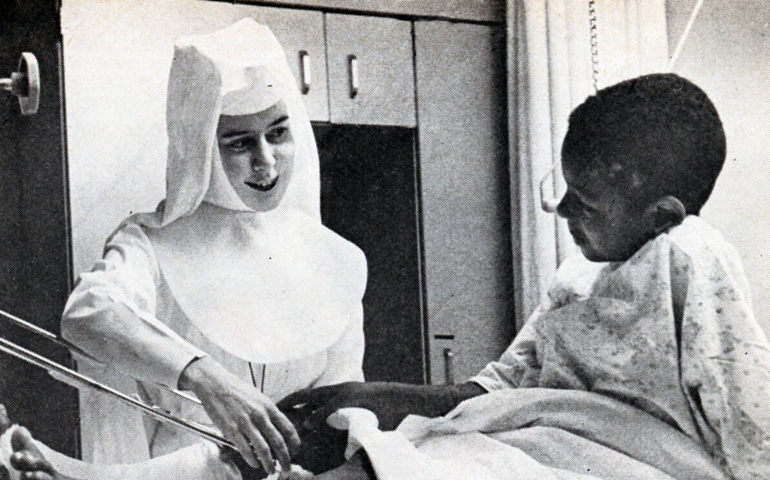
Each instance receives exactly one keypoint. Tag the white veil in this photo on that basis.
(238, 70)
(264, 286)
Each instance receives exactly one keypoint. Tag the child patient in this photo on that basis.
(653, 321)
(655, 314)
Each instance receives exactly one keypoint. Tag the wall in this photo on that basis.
(117, 56)
(728, 55)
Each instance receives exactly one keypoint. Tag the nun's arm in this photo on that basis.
(111, 313)
(111, 316)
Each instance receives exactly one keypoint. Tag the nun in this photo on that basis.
(232, 289)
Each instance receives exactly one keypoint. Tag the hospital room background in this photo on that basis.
(435, 122)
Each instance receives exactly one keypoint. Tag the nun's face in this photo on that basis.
(257, 152)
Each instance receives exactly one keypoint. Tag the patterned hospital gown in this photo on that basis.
(670, 331)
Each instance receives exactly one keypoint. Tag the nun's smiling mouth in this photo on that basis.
(263, 186)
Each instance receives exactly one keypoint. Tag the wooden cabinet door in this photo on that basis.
(465, 195)
(301, 34)
(382, 48)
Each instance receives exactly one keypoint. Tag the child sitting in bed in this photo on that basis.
(646, 360)
(655, 314)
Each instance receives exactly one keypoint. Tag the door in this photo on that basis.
(465, 195)
(34, 243)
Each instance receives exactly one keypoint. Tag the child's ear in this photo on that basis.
(667, 212)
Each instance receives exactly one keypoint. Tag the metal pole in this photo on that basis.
(63, 343)
(51, 366)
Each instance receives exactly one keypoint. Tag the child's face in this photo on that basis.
(604, 219)
(257, 152)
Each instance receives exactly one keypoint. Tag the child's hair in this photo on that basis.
(658, 134)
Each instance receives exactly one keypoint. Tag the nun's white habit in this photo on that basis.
(275, 297)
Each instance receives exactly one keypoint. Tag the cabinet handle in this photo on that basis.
(449, 370)
(305, 73)
(353, 70)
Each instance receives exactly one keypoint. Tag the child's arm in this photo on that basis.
(390, 401)
(726, 371)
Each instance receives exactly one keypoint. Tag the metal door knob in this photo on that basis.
(25, 84)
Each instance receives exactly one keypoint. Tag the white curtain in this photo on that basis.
(550, 73)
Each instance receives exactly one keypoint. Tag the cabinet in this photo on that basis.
(369, 79)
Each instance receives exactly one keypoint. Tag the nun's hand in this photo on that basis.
(244, 415)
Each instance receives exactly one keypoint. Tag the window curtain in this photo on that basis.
(550, 72)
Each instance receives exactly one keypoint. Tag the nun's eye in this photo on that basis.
(239, 145)
(277, 134)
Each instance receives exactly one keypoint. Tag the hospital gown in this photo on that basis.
(129, 275)
(650, 368)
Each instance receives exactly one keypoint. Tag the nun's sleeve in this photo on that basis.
(344, 359)
(111, 313)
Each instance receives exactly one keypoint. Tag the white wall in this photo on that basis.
(728, 55)
(117, 56)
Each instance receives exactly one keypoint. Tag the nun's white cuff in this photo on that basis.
(159, 355)
(168, 352)
(182, 363)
